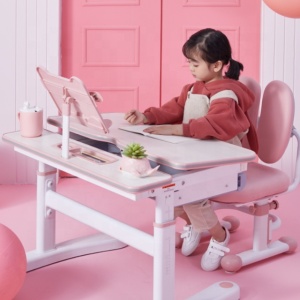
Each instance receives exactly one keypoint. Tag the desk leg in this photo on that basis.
(45, 217)
(164, 248)
(45, 235)
(47, 251)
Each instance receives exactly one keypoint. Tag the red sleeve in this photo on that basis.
(171, 112)
(224, 120)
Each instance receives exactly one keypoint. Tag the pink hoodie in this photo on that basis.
(225, 118)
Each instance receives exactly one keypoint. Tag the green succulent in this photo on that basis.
(134, 150)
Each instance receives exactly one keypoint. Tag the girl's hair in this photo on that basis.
(212, 45)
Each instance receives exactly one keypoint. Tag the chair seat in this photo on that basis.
(261, 181)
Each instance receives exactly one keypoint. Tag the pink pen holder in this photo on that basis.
(31, 121)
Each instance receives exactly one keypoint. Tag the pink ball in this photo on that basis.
(12, 264)
(287, 8)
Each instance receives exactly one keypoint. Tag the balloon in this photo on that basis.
(12, 264)
(286, 8)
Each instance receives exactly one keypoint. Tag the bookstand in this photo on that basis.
(73, 102)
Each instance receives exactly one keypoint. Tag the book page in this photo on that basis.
(174, 139)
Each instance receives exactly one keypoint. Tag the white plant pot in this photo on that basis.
(137, 167)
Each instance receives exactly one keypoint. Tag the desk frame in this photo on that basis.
(168, 192)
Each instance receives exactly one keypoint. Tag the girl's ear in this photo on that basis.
(218, 65)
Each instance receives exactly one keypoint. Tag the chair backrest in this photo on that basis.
(255, 88)
(253, 112)
(276, 121)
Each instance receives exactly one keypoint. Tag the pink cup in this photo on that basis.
(31, 123)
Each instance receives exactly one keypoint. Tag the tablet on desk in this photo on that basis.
(83, 110)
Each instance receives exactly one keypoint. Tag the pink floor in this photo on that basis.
(127, 273)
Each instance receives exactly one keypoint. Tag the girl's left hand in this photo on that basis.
(165, 129)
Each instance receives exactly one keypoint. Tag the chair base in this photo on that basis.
(234, 262)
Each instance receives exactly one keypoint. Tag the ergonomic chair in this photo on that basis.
(266, 184)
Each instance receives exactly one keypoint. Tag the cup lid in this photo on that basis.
(27, 108)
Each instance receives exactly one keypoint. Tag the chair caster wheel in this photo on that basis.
(234, 223)
(231, 263)
(291, 243)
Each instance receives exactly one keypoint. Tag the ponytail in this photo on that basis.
(234, 69)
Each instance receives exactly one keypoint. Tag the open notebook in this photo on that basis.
(84, 112)
(167, 138)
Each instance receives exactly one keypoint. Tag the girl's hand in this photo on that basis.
(135, 117)
(165, 129)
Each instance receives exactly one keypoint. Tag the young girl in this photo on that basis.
(212, 107)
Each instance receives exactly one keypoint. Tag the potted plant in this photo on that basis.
(134, 161)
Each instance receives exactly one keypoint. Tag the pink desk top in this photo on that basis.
(192, 154)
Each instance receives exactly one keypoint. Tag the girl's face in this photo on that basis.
(202, 70)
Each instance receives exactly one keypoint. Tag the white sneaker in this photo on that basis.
(211, 259)
(191, 240)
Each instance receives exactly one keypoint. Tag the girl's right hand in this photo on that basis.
(134, 117)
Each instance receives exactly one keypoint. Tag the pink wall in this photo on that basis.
(130, 51)
(29, 33)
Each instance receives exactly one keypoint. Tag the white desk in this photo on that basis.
(214, 166)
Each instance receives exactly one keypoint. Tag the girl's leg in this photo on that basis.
(211, 259)
(203, 217)
(196, 213)
(218, 232)
(179, 212)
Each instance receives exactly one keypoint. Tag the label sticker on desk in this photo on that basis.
(168, 186)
